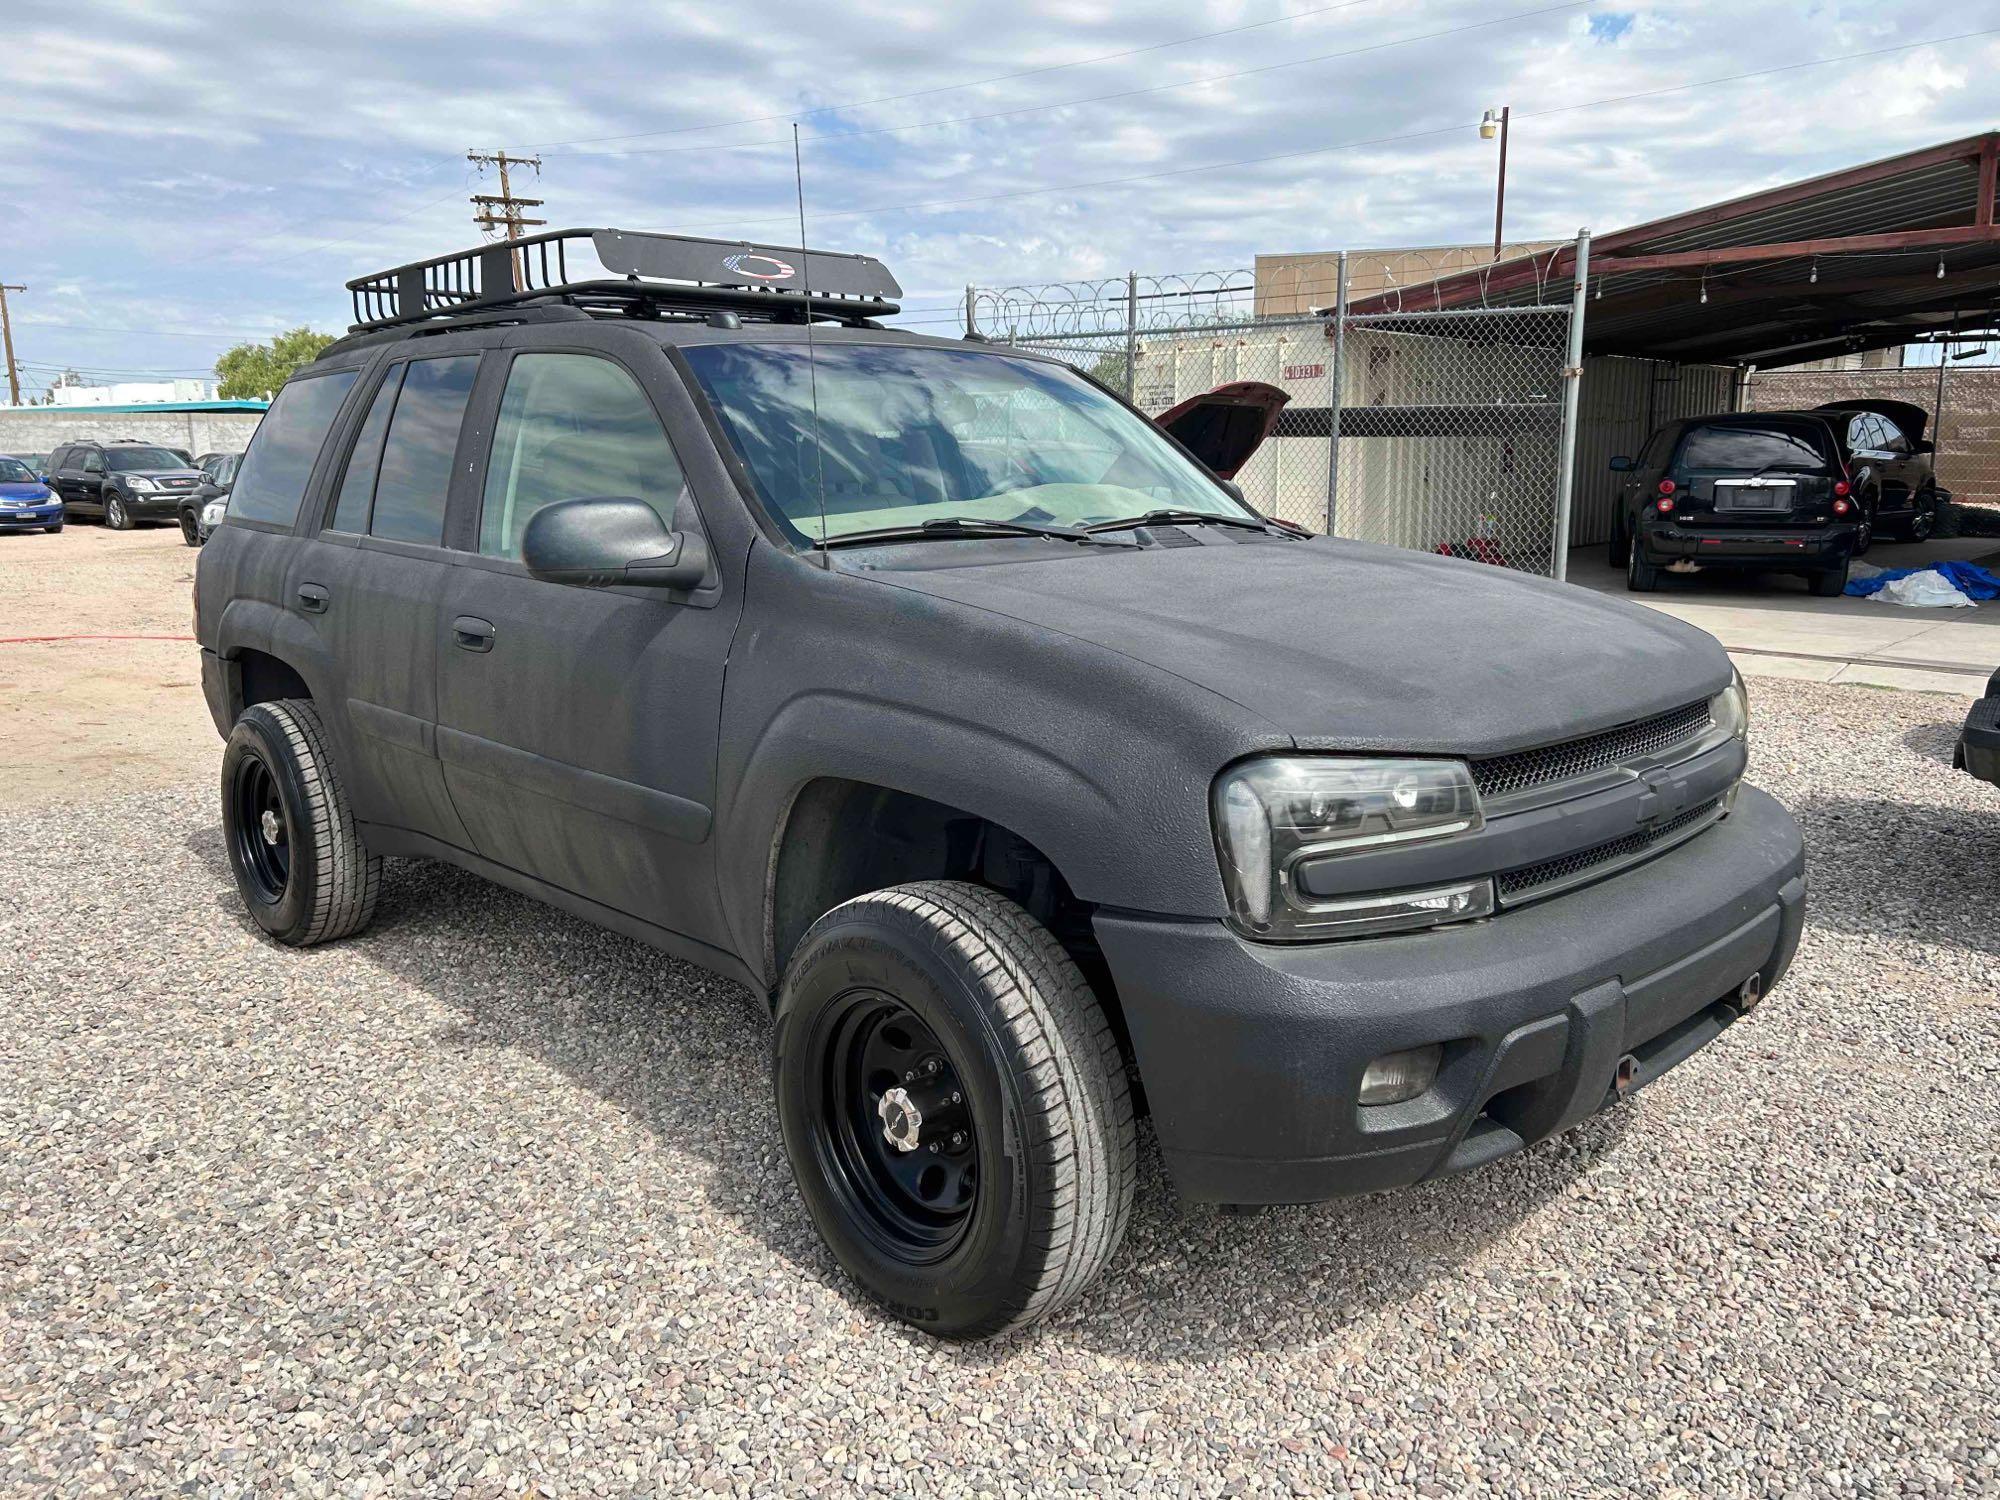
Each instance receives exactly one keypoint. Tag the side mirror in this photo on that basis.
(608, 539)
(1621, 465)
(1923, 445)
(1234, 490)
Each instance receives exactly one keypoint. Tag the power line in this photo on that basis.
(952, 88)
(1158, 88)
(1380, 140)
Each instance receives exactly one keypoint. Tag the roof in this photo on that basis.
(1867, 257)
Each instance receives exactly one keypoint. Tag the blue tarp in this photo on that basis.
(1969, 579)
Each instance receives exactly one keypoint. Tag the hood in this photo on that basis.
(23, 489)
(1346, 645)
(1225, 426)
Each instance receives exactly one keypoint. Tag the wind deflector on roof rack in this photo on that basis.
(663, 270)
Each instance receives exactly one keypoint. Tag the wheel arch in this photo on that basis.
(268, 654)
(840, 837)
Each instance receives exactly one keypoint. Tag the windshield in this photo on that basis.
(1751, 448)
(909, 435)
(13, 471)
(137, 460)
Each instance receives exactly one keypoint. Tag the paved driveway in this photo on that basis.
(1774, 628)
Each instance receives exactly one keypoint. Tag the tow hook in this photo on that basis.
(1627, 1075)
(1749, 993)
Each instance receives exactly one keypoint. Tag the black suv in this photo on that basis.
(123, 483)
(1778, 492)
(937, 696)
(201, 509)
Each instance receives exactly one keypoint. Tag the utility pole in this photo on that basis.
(7, 335)
(503, 210)
(1489, 127)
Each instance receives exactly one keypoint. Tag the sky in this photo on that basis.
(181, 177)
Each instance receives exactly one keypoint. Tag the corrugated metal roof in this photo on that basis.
(142, 407)
(1725, 303)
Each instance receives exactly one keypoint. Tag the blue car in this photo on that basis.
(26, 504)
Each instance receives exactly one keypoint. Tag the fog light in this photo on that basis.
(1396, 1076)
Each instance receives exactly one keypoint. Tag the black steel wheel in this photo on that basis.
(300, 865)
(955, 1107)
(190, 533)
(897, 1142)
(260, 832)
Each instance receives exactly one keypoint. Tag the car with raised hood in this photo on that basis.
(1764, 492)
(1891, 462)
(124, 484)
(26, 501)
(938, 697)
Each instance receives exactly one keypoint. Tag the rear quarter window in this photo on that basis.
(279, 461)
(1751, 448)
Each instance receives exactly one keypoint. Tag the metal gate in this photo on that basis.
(1440, 431)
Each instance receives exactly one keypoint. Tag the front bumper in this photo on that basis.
(1252, 1054)
(1979, 746)
(156, 507)
(1823, 547)
(31, 515)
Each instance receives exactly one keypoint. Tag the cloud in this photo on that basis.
(195, 172)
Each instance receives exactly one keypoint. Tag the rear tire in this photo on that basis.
(299, 862)
(951, 1000)
(116, 516)
(1641, 577)
(1828, 582)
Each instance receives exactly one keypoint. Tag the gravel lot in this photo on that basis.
(489, 1201)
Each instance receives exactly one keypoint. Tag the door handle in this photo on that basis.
(313, 599)
(472, 633)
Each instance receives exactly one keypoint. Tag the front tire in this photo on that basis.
(116, 516)
(1621, 545)
(55, 529)
(299, 862)
(943, 1016)
(1923, 521)
(189, 533)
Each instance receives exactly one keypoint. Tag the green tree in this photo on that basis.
(1110, 370)
(252, 370)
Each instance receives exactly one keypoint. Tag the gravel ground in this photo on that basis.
(489, 1201)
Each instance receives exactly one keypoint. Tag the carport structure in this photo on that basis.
(1893, 252)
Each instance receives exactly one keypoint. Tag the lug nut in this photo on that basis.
(934, 1148)
(958, 1098)
(957, 1139)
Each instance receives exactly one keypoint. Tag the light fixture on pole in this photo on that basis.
(1496, 124)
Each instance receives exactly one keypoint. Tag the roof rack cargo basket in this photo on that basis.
(647, 273)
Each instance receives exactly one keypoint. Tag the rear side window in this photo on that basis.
(357, 485)
(415, 472)
(1751, 448)
(280, 457)
(571, 425)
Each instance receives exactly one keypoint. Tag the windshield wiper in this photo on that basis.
(949, 528)
(1164, 517)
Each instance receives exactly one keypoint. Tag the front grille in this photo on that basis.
(1552, 875)
(1499, 775)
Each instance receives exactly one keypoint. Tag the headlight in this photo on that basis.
(211, 513)
(1730, 708)
(139, 482)
(1275, 815)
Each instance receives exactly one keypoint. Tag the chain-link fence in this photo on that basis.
(1440, 431)
(1963, 403)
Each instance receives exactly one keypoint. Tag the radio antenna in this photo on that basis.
(812, 363)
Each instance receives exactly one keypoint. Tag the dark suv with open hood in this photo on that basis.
(933, 693)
